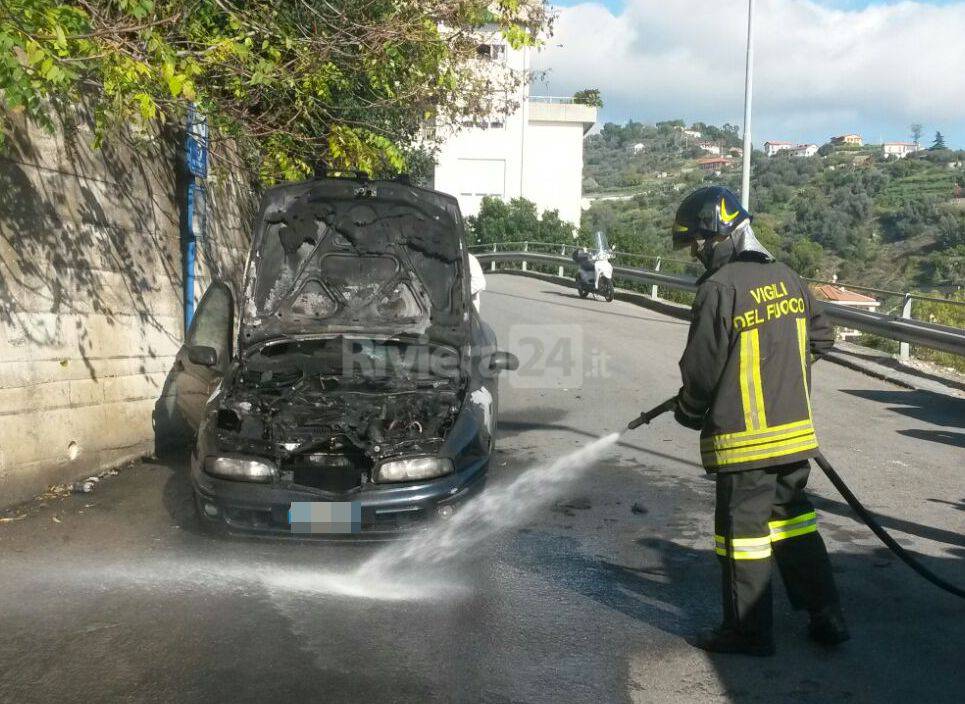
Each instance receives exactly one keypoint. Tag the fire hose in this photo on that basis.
(863, 513)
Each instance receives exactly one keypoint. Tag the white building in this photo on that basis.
(899, 150)
(693, 133)
(805, 151)
(775, 148)
(710, 148)
(535, 153)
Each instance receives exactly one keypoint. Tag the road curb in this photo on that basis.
(843, 361)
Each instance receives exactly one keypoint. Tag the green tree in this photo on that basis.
(939, 142)
(669, 125)
(916, 131)
(805, 257)
(590, 96)
(517, 221)
(347, 82)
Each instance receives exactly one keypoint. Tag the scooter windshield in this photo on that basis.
(601, 242)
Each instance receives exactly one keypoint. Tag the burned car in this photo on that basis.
(359, 393)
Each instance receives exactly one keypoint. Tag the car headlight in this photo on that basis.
(413, 469)
(241, 469)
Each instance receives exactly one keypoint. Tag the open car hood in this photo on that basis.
(335, 256)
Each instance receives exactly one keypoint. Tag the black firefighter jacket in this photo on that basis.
(747, 367)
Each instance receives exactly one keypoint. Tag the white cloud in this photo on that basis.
(818, 70)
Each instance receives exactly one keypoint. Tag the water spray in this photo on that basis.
(864, 514)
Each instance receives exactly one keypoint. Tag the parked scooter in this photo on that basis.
(595, 274)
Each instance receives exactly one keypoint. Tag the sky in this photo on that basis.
(822, 68)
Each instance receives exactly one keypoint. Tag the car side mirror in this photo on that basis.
(203, 356)
(503, 362)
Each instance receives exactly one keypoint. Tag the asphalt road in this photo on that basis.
(116, 596)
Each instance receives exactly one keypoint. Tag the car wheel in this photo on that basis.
(582, 291)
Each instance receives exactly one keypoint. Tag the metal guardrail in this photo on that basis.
(906, 330)
(553, 99)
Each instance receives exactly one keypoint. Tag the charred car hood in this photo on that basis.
(337, 256)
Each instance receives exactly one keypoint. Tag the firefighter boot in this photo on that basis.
(828, 627)
(728, 640)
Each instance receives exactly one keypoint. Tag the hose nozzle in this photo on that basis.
(648, 416)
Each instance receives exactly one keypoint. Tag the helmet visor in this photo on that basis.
(683, 236)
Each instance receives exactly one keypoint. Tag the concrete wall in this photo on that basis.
(90, 294)
(554, 171)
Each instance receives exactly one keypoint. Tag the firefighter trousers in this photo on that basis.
(764, 513)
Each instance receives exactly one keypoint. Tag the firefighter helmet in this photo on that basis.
(707, 212)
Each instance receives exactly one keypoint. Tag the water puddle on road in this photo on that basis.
(428, 565)
(414, 568)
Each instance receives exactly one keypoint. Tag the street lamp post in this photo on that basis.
(748, 102)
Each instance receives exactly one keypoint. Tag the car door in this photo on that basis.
(202, 360)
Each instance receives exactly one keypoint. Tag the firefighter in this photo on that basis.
(746, 387)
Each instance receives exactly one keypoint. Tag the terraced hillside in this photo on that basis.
(847, 211)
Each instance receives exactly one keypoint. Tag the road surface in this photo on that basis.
(116, 596)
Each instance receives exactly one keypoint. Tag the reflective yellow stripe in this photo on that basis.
(811, 528)
(771, 445)
(792, 527)
(724, 439)
(744, 542)
(752, 392)
(729, 442)
(743, 548)
(745, 381)
(761, 452)
(802, 338)
(758, 384)
(803, 518)
(736, 555)
(762, 443)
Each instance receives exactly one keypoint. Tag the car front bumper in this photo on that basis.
(250, 508)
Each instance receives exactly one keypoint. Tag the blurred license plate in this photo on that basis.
(325, 517)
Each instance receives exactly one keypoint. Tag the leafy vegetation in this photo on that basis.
(590, 96)
(517, 221)
(946, 314)
(346, 82)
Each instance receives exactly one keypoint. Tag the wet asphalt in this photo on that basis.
(117, 596)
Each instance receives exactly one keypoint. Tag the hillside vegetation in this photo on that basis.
(847, 211)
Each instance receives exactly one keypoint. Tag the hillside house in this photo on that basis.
(804, 151)
(899, 150)
(710, 148)
(714, 164)
(694, 134)
(855, 140)
(832, 293)
(774, 148)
